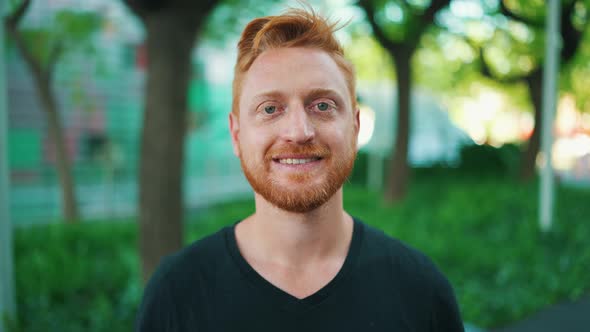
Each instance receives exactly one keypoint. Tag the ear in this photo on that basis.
(234, 129)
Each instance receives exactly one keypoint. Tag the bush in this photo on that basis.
(481, 231)
(477, 159)
(76, 277)
(359, 172)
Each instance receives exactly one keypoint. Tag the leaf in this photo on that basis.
(76, 28)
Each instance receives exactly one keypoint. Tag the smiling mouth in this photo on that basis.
(296, 161)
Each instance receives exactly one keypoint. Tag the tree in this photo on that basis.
(398, 26)
(532, 17)
(171, 32)
(42, 49)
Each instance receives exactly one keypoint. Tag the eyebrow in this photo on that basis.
(273, 94)
(321, 92)
(309, 95)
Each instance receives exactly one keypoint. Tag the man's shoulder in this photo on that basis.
(381, 250)
(197, 257)
(179, 284)
(396, 268)
(384, 246)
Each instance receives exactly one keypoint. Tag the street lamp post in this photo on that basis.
(7, 297)
(550, 77)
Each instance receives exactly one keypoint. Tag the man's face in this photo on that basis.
(296, 131)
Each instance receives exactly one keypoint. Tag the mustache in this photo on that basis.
(312, 150)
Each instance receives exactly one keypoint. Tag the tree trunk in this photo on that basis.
(169, 46)
(56, 133)
(529, 154)
(42, 80)
(399, 171)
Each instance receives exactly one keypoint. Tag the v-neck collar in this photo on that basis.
(278, 296)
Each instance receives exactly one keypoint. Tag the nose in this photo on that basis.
(298, 128)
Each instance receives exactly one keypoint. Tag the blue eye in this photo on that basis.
(270, 109)
(323, 106)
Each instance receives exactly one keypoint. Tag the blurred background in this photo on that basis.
(116, 129)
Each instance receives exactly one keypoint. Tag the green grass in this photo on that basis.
(481, 231)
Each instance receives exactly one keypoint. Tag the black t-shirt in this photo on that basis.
(383, 285)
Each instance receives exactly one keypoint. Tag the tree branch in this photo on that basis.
(137, 7)
(504, 10)
(485, 69)
(571, 36)
(11, 23)
(54, 55)
(377, 31)
(425, 19)
(428, 16)
(12, 20)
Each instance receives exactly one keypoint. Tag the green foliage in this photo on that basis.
(225, 24)
(71, 31)
(76, 277)
(480, 229)
(40, 41)
(440, 47)
(359, 172)
(76, 28)
(531, 9)
(398, 19)
(515, 50)
(392, 18)
(512, 48)
(575, 76)
(370, 60)
(477, 159)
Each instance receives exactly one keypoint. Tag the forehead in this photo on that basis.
(292, 71)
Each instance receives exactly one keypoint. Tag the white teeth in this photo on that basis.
(295, 161)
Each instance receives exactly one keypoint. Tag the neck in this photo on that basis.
(296, 239)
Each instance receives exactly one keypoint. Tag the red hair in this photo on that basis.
(294, 28)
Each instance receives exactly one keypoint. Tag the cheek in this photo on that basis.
(254, 143)
(339, 136)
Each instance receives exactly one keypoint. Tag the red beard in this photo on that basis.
(304, 198)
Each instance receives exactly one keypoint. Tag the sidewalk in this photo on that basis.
(568, 316)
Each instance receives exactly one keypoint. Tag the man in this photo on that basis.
(300, 262)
